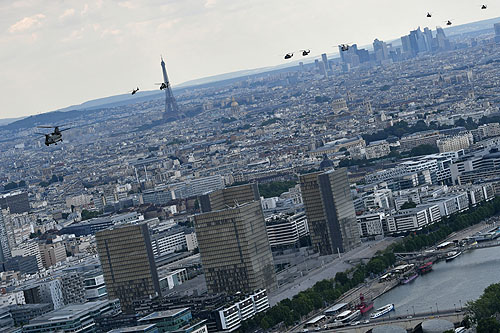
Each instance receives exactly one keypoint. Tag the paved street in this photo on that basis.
(331, 266)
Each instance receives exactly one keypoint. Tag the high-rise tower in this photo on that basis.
(171, 107)
(330, 211)
(128, 264)
(233, 242)
(4, 241)
(496, 26)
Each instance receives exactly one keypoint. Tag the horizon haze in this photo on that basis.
(62, 54)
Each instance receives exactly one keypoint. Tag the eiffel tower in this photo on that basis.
(171, 108)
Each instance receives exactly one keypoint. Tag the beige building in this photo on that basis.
(377, 149)
(128, 264)
(455, 143)
(78, 200)
(339, 104)
(487, 131)
(52, 253)
(235, 251)
(416, 139)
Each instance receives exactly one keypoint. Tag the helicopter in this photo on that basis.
(134, 90)
(484, 7)
(288, 55)
(305, 52)
(344, 47)
(54, 137)
(449, 22)
(162, 85)
(429, 14)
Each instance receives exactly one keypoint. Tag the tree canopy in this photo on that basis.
(424, 150)
(289, 311)
(87, 215)
(485, 307)
(275, 189)
(408, 205)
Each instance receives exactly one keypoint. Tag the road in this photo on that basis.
(407, 323)
(480, 227)
(331, 266)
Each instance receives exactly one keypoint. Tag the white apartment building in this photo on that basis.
(229, 318)
(451, 203)
(285, 230)
(191, 240)
(415, 218)
(371, 224)
(168, 241)
(12, 298)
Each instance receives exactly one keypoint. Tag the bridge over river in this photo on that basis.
(409, 256)
(409, 323)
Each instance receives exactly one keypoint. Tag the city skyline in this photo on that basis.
(45, 43)
(240, 196)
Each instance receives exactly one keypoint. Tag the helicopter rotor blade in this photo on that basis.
(53, 126)
(65, 129)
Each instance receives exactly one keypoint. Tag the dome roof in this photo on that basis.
(234, 103)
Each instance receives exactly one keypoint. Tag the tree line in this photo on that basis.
(402, 128)
(484, 311)
(275, 189)
(14, 185)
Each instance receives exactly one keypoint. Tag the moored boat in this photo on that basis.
(348, 316)
(452, 255)
(408, 279)
(425, 268)
(382, 311)
(364, 306)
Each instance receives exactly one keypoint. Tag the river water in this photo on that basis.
(449, 285)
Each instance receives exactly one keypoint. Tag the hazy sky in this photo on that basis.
(62, 52)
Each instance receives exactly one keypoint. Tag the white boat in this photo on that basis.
(452, 255)
(348, 316)
(382, 311)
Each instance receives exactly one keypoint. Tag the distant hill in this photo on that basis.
(49, 118)
(111, 101)
(69, 113)
(471, 27)
(7, 121)
(232, 75)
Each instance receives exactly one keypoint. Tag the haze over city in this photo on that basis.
(60, 53)
(223, 166)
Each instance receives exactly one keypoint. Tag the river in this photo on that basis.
(449, 285)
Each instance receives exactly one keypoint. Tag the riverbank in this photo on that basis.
(329, 290)
(450, 285)
(376, 290)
